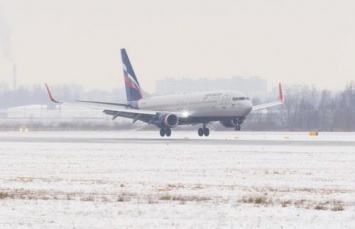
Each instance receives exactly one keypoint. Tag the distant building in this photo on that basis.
(252, 86)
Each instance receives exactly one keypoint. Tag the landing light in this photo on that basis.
(185, 114)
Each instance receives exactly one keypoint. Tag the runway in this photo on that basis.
(150, 137)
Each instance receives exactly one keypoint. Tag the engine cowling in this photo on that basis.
(234, 122)
(167, 121)
(229, 123)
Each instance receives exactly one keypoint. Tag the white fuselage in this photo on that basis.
(201, 104)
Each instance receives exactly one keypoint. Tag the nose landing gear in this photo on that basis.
(238, 122)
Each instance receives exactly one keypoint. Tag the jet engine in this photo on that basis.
(229, 123)
(167, 121)
(234, 122)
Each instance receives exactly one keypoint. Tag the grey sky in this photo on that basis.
(73, 41)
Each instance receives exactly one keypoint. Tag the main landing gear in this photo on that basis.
(238, 123)
(203, 131)
(165, 132)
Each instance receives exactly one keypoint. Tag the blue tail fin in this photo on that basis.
(133, 90)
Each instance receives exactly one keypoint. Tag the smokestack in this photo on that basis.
(14, 77)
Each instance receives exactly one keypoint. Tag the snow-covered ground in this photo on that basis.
(162, 183)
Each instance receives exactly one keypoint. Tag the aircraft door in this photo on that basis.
(224, 101)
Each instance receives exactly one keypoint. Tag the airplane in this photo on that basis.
(228, 107)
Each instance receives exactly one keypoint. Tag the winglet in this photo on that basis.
(51, 96)
(281, 97)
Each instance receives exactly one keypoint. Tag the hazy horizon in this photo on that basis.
(79, 42)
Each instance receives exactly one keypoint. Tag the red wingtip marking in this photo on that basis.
(281, 97)
(50, 95)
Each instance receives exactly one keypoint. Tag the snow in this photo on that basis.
(89, 180)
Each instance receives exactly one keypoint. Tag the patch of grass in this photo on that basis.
(26, 179)
(69, 197)
(247, 200)
(300, 203)
(152, 201)
(307, 190)
(183, 198)
(125, 196)
(165, 197)
(170, 187)
(120, 199)
(4, 195)
(198, 186)
(260, 200)
(338, 206)
(264, 199)
(320, 206)
(285, 203)
(190, 198)
(87, 198)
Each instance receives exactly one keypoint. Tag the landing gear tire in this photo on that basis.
(203, 131)
(168, 132)
(165, 132)
(206, 132)
(162, 132)
(237, 128)
(200, 132)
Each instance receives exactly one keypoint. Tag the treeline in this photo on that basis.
(310, 109)
(21, 96)
(37, 94)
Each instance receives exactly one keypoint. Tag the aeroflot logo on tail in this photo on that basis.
(129, 79)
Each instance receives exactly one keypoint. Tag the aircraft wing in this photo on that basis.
(104, 103)
(118, 109)
(272, 104)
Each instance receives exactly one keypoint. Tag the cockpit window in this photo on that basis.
(240, 98)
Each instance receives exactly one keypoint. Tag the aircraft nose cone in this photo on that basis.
(245, 108)
(249, 106)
